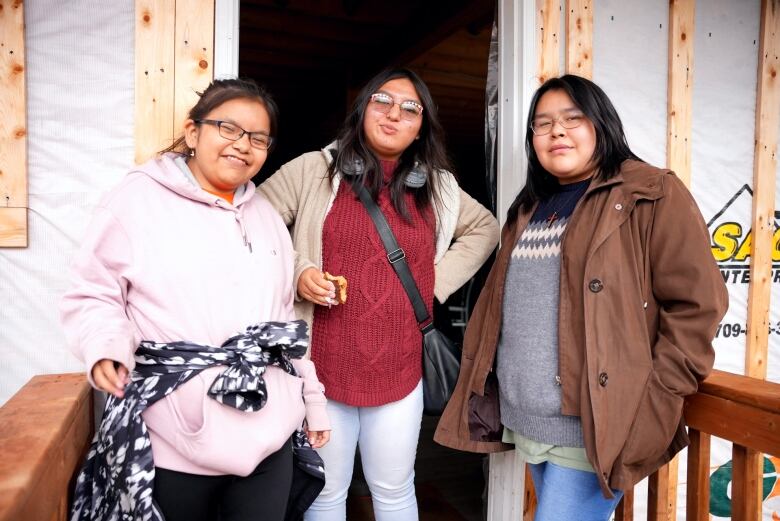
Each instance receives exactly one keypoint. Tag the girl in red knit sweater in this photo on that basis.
(368, 350)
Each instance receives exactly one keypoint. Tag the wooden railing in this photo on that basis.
(743, 410)
(45, 430)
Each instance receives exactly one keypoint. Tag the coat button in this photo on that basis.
(595, 285)
(603, 377)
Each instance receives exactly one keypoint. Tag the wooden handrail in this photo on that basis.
(738, 408)
(45, 430)
(741, 409)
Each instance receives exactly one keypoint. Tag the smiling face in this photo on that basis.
(219, 164)
(388, 135)
(564, 152)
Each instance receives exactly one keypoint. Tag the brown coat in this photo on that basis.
(640, 298)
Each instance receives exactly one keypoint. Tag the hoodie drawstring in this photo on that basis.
(247, 242)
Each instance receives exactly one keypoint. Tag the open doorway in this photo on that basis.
(314, 55)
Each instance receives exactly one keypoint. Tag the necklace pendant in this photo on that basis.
(552, 218)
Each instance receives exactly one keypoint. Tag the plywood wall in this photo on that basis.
(13, 126)
(174, 60)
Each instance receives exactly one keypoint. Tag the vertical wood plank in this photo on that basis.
(658, 495)
(671, 489)
(745, 493)
(698, 493)
(625, 509)
(764, 168)
(194, 55)
(680, 88)
(579, 37)
(529, 498)
(506, 486)
(549, 23)
(13, 126)
(154, 76)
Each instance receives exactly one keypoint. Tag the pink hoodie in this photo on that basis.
(163, 260)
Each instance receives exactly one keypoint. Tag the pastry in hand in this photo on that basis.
(340, 283)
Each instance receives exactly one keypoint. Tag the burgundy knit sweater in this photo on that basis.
(368, 351)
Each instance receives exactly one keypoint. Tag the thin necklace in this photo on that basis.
(564, 201)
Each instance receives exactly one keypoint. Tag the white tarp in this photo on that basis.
(80, 95)
(630, 62)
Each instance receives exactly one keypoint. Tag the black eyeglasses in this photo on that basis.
(233, 132)
(384, 103)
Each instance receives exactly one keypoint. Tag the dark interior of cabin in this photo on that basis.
(314, 56)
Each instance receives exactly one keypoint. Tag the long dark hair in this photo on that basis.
(222, 91)
(611, 144)
(429, 150)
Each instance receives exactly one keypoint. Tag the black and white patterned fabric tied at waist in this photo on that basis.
(117, 479)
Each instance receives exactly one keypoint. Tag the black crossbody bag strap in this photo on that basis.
(396, 257)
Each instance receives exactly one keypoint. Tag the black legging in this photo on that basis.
(261, 495)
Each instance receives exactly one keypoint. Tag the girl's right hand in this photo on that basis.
(110, 376)
(313, 287)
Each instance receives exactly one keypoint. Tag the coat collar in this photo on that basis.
(637, 180)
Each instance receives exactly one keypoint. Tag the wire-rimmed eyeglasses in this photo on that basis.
(542, 126)
(383, 103)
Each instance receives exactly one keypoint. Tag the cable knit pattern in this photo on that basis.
(368, 351)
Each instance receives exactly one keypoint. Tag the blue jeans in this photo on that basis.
(566, 493)
(387, 436)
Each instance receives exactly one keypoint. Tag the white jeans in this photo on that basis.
(387, 436)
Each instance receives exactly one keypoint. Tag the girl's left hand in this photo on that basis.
(318, 439)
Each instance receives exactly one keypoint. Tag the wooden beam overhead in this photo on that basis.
(13, 126)
(424, 33)
(579, 37)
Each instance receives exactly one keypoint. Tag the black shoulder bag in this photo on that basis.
(441, 357)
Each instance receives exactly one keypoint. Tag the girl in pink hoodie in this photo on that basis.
(184, 251)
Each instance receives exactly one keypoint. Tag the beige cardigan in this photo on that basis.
(466, 232)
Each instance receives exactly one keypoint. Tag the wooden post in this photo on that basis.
(579, 37)
(680, 88)
(698, 493)
(549, 23)
(658, 492)
(745, 483)
(194, 55)
(759, 293)
(764, 167)
(529, 498)
(154, 76)
(678, 158)
(625, 509)
(13, 126)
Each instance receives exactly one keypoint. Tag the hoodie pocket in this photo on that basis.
(187, 406)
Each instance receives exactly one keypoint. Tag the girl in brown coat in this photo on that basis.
(597, 317)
